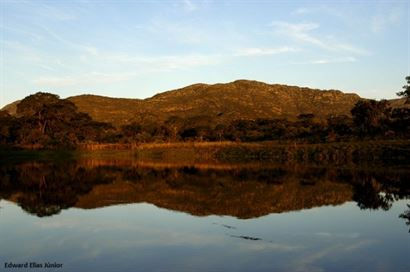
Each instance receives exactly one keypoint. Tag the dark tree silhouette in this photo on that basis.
(367, 195)
(39, 108)
(400, 121)
(49, 121)
(406, 92)
(340, 125)
(131, 131)
(369, 116)
(9, 126)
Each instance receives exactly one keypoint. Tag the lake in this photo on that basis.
(115, 214)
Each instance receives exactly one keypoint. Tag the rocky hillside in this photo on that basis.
(241, 99)
(12, 107)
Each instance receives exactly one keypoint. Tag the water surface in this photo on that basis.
(114, 215)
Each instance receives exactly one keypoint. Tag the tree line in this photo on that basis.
(47, 188)
(43, 120)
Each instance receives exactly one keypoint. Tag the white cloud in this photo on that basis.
(336, 11)
(329, 60)
(163, 62)
(334, 60)
(301, 32)
(380, 22)
(30, 56)
(179, 62)
(178, 32)
(302, 11)
(55, 13)
(91, 50)
(137, 64)
(255, 51)
(294, 28)
(189, 5)
(81, 80)
(350, 48)
(21, 31)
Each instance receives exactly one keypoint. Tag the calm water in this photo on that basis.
(110, 215)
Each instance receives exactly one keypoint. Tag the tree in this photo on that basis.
(49, 121)
(367, 195)
(8, 128)
(400, 121)
(370, 116)
(340, 125)
(131, 131)
(219, 131)
(174, 125)
(37, 108)
(189, 133)
(406, 92)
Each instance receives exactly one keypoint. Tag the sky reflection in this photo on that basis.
(144, 237)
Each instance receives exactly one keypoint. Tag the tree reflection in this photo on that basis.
(44, 189)
(368, 196)
(406, 216)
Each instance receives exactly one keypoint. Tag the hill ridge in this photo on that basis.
(221, 102)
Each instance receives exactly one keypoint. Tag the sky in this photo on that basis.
(136, 49)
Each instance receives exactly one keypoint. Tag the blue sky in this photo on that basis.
(136, 49)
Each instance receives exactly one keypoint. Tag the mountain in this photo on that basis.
(12, 107)
(241, 99)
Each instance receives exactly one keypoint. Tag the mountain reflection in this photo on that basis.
(243, 191)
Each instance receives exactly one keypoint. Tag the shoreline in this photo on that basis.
(356, 152)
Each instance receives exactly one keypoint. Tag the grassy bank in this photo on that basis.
(386, 152)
